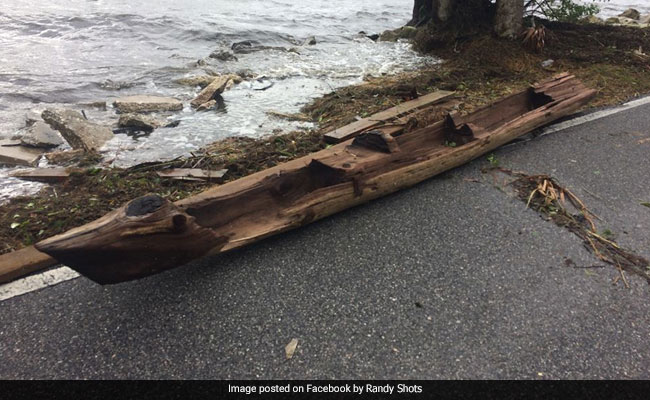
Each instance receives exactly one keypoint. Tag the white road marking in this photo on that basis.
(594, 116)
(56, 276)
(35, 282)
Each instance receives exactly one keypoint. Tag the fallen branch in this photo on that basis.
(546, 196)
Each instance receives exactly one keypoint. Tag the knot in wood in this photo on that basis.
(144, 205)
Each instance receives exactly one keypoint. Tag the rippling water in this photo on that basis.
(615, 7)
(66, 52)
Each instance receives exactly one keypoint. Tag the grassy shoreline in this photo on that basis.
(479, 68)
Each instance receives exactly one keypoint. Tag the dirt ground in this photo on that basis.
(479, 67)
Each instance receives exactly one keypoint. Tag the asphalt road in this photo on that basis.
(450, 279)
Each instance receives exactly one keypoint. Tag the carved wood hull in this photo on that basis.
(150, 234)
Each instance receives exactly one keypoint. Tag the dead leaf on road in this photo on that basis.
(291, 348)
(646, 140)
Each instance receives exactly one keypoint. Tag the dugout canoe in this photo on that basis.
(150, 234)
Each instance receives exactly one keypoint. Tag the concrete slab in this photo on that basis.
(13, 153)
(144, 104)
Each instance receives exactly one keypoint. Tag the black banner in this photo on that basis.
(502, 390)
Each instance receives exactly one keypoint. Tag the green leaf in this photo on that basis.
(15, 225)
(493, 160)
(646, 204)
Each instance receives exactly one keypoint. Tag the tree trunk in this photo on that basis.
(421, 12)
(443, 9)
(427, 10)
(509, 18)
(470, 14)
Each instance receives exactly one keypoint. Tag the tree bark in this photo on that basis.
(453, 14)
(443, 9)
(509, 18)
(427, 10)
(421, 12)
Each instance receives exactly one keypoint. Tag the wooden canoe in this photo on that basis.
(151, 234)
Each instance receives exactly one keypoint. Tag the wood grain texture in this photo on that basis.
(23, 262)
(349, 131)
(125, 245)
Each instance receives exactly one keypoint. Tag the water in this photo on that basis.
(615, 7)
(67, 52)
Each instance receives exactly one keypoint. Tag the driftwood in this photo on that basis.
(192, 174)
(349, 131)
(150, 234)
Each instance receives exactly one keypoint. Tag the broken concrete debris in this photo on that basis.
(146, 104)
(41, 135)
(140, 121)
(405, 32)
(223, 55)
(202, 81)
(217, 86)
(12, 152)
(100, 105)
(207, 105)
(32, 117)
(65, 157)
(77, 130)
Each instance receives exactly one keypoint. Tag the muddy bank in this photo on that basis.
(480, 68)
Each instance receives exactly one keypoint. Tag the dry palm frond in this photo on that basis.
(546, 196)
(534, 38)
(554, 197)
